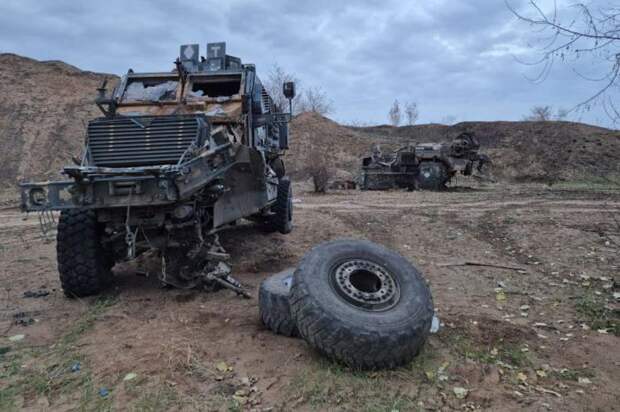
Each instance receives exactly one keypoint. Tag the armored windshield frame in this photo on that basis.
(130, 78)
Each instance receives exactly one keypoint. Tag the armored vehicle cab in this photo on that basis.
(175, 157)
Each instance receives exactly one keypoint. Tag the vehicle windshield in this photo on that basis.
(150, 90)
(215, 86)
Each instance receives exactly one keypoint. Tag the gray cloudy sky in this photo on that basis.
(454, 58)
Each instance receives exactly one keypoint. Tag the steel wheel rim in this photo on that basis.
(365, 284)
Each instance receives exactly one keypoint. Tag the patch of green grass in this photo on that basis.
(572, 374)
(328, 386)
(594, 312)
(511, 354)
(86, 321)
(514, 355)
(7, 398)
(162, 398)
(591, 183)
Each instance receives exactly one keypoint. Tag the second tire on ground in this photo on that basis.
(273, 305)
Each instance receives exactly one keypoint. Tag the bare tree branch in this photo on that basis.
(587, 32)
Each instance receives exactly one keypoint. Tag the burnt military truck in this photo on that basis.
(176, 157)
(428, 166)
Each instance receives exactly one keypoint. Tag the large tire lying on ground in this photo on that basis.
(83, 265)
(361, 304)
(273, 306)
(431, 176)
(282, 218)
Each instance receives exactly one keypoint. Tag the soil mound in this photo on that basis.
(43, 111)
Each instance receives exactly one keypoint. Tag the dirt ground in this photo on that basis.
(540, 338)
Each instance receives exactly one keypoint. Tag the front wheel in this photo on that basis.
(83, 265)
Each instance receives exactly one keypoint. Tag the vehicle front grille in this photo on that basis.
(142, 140)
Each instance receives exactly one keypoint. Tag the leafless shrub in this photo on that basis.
(411, 113)
(315, 100)
(276, 77)
(539, 114)
(394, 114)
(319, 169)
(561, 114)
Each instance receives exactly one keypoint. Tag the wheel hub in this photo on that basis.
(366, 284)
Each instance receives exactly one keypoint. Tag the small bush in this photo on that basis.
(320, 170)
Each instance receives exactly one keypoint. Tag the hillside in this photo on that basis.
(525, 151)
(521, 151)
(45, 106)
(43, 109)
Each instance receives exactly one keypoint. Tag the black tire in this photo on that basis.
(277, 165)
(273, 306)
(282, 218)
(432, 176)
(83, 265)
(383, 333)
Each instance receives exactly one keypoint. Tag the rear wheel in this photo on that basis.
(282, 218)
(432, 175)
(277, 165)
(83, 264)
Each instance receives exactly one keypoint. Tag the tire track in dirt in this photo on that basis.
(570, 205)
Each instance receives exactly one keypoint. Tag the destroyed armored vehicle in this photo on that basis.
(176, 157)
(428, 166)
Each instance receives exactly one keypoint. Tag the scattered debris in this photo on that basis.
(104, 392)
(130, 376)
(435, 324)
(36, 293)
(23, 318)
(223, 367)
(16, 338)
(459, 392)
(76, 367)
(549, 391)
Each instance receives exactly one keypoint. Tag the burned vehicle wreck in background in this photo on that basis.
(428, 166)
(176, 157)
